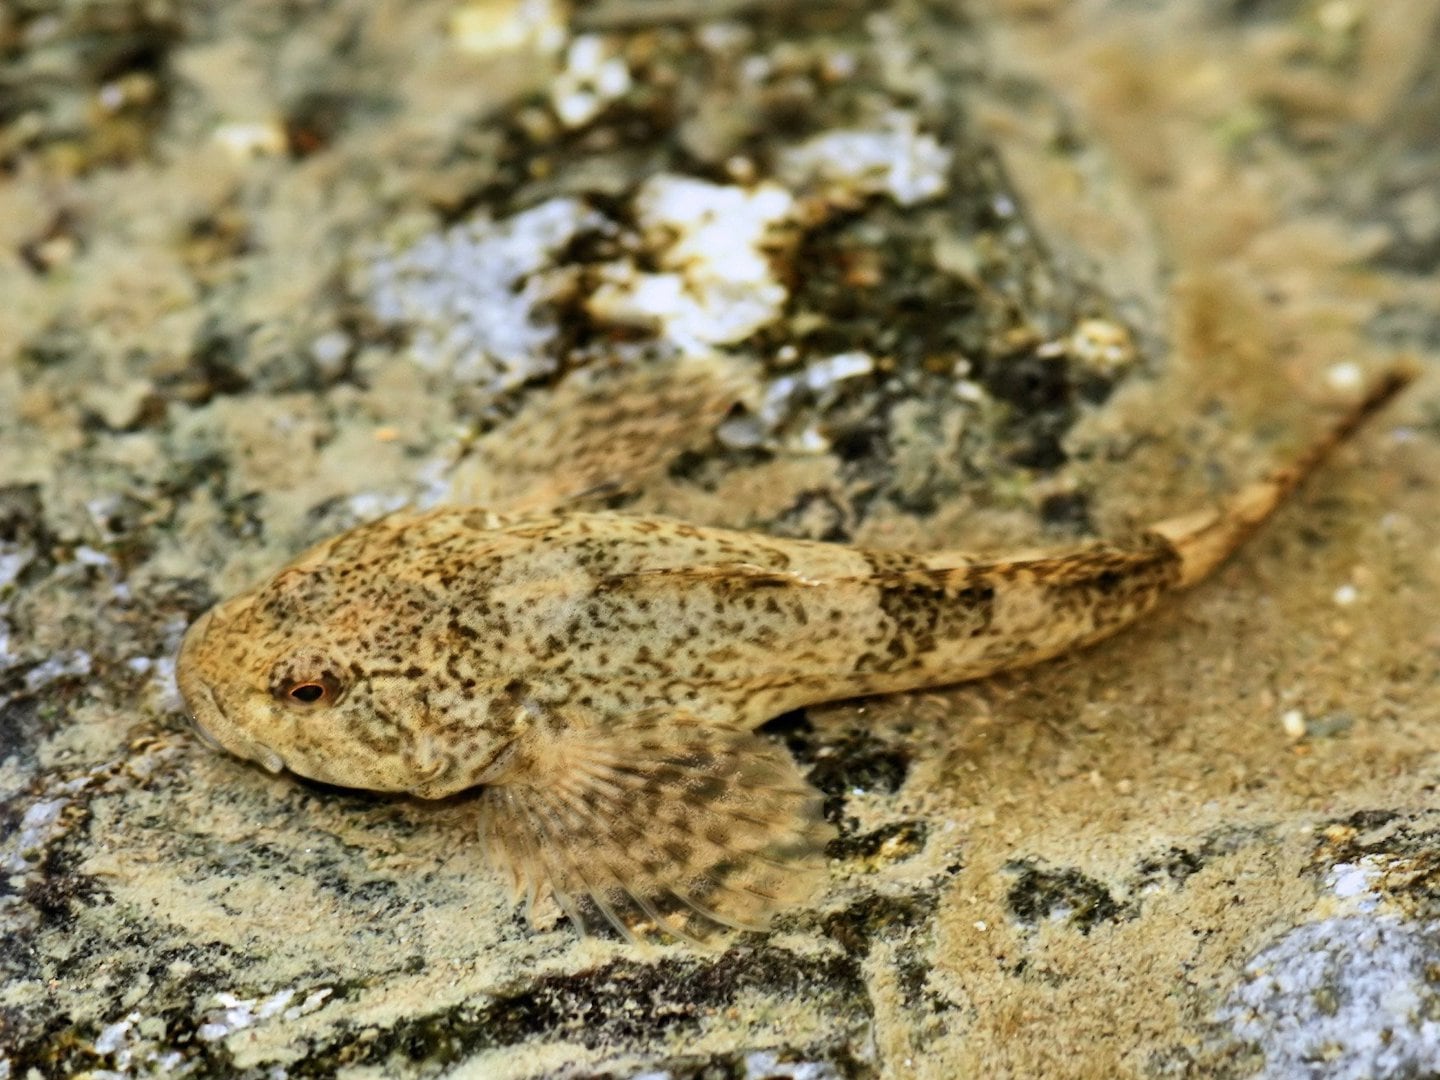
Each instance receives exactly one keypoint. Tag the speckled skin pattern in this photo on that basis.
(599, 676)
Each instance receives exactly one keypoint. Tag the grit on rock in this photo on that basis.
(911, 276)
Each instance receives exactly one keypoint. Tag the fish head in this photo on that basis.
(341, 683)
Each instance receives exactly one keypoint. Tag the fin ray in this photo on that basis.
(662, 823)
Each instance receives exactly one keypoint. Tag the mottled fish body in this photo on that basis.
(599, 675)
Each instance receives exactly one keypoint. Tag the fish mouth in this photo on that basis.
(258, 752)
(198, 727)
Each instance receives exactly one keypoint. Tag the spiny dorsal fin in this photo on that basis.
(601, 432)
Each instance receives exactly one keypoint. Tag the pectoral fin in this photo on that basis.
(659, 823)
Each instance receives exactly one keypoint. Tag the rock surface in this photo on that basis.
(921, 273)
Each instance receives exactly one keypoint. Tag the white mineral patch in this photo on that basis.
(251, 139)
(822, 378)
(824, 374)
(13, 559)
(491, 27)
(1345, 376)
(235, 1014)
(369, 505)
(1344, 998)
(776, 402)
(118, 1039)
(765, 1064)
(88, 556)
(474, 296)
(593, 77)
(38, 825)
(164, 686)
(1292, 722)
(716, 285)
(969, 390)
(312, 1001)
(71, 662)
(1356, 882)
(329, 351)
(813, 441)
(434, 483)
(775, 407)
(896, 159)
(741, 433)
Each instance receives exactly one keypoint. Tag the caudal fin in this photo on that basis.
(1205, 539)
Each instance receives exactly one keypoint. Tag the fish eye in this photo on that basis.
(309, 693)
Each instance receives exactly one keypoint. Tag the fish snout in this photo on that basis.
(208, 718)
(187, 671)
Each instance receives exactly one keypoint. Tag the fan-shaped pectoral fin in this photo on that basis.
(658, 823)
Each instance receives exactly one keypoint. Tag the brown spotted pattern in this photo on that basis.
(600, 675)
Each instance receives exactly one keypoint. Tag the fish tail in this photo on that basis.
(1205, 539)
